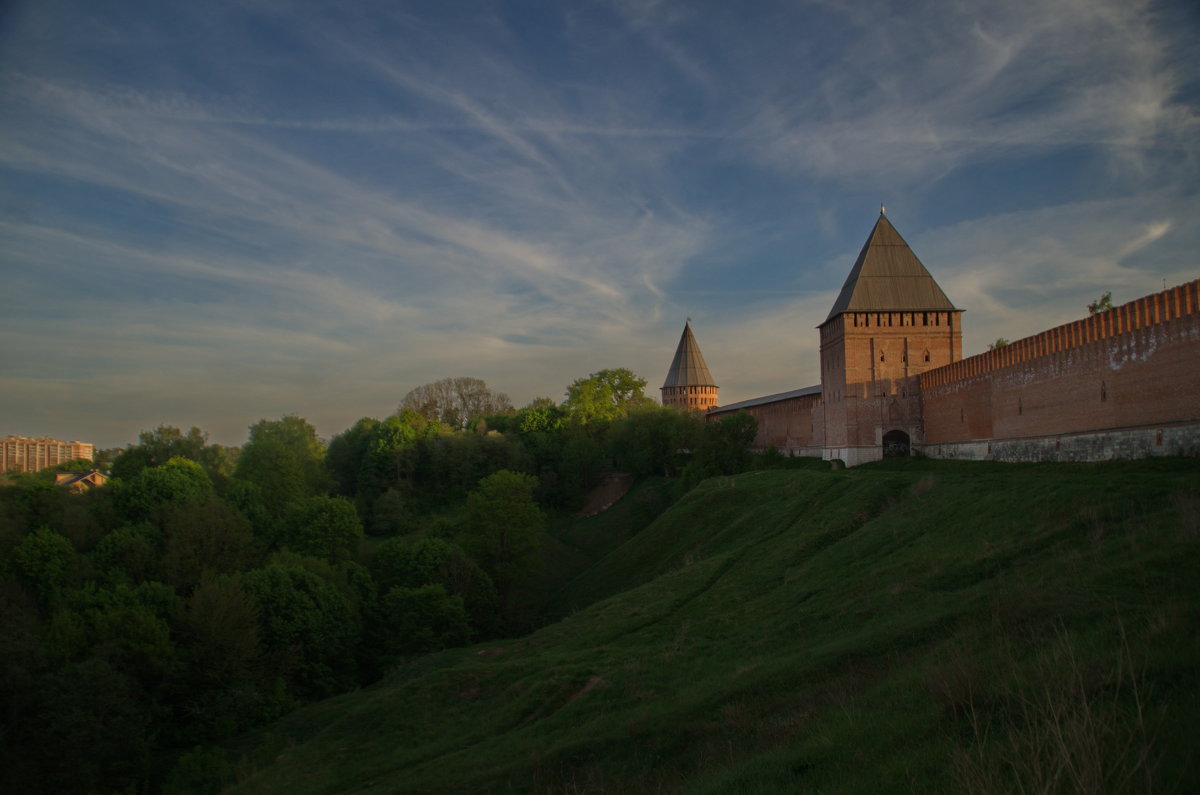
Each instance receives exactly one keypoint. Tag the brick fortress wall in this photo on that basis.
(792, 424)
(1119, 384)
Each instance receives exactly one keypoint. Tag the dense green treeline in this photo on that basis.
(210, 589)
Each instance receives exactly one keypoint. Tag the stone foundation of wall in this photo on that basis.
(853, 456)
(1119, 443)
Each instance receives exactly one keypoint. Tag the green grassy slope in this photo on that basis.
(920, 626)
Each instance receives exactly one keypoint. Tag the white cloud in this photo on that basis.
(1020, 273)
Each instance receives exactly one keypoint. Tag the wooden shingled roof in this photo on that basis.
(888, 277)
(688, 367)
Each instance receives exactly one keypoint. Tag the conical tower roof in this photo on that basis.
(688, 367)
(888, 277)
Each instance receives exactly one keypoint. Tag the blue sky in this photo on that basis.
(216, 212)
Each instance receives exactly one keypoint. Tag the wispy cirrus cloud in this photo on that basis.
(930, 90)
(273, 210)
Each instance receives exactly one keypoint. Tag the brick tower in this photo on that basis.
(689, 384)
(890, 322)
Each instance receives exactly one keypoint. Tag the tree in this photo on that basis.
(285, 459)
(129, 626)
(435, 561)
(74, 465)
(388, 453)
(1101, 304)
(305, 627)
(93, 731)
(456, 401)
(226, 689)
(326, 527)
(604, 396)
(390, 515)
(220, 624)
(724, 447)
(416, 621)
(346, 453)
(651, 440)
(293, 432)
(156, 447)
(44, 559)
(505, 526)
(275, 472)
(130, 553)
(546, 418)
(998, 344)
(580, 462)
(206, 538)
(178, 481)
(299, 439)
(250, 502)
(103, 458)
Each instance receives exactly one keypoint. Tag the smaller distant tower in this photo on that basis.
(689, 384)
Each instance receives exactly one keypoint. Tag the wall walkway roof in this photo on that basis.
(762, 401)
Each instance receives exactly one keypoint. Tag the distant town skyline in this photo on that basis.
(216, 213)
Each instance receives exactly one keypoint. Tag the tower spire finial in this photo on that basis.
(882, 209)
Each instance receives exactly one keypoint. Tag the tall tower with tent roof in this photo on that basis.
(689, 383)
(890, 323)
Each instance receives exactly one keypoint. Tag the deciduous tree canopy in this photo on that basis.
(724, 447)
(306, 625)
(156, 447)
(506, 525)
(178, 481)
(604, 396)
(456, 401)
(285, 459)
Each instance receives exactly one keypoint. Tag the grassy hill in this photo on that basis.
(918, 626)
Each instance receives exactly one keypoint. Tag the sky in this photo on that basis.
(217, 212)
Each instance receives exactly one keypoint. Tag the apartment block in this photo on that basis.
(25, 454)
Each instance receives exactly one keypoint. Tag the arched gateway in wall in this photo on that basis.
(895, 444)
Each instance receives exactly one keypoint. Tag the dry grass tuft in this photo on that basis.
(1054, 724)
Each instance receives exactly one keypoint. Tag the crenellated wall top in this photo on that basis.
(1150, 310)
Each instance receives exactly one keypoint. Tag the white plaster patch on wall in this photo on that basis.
(1130, 348)
(959, 385)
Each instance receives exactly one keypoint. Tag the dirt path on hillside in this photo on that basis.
(613, 487)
